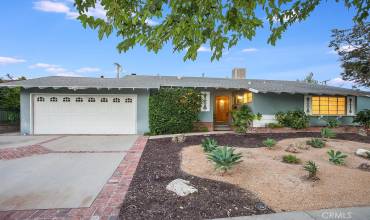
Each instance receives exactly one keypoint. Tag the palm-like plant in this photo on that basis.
(336, 157)
(209, 144)
(311, 168)
(243, 118)
(224, 158)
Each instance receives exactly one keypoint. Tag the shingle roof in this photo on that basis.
(155, 82)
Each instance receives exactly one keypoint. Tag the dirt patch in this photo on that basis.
(284, 187)
(147, 197)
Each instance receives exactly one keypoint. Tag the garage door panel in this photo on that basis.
(84, 117)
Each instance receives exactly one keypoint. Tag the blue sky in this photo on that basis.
(42, 38)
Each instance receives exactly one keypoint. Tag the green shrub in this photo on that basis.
(209, 144)
(363, 118)
(332, 122)
(269, 142)
(316, 143)
(173, 111)
(291, 159)
(224, 158)
(336, 157)
(243, 118)
(311, 168)
(274, 125)
(293, 119)
(327, 133)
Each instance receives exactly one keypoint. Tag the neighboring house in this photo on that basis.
(81, 105)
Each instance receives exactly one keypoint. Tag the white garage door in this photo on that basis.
(84, 114)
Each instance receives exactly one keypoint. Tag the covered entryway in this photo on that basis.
(84, 114)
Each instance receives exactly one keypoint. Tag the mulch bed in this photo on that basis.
(147, 197)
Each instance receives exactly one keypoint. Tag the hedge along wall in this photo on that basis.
(173, 110)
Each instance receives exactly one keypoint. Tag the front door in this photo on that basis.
(222, 108)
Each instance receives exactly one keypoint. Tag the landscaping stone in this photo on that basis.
(292, 149)
(181, 187)
(362, 132)
(178, 138)
(362, 153)
(364, 166)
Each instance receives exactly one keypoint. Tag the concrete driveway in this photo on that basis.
(70, 175)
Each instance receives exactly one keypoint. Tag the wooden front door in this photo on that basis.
(222, 108)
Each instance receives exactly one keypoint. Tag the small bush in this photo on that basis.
(336, 157)
(332, 122)
(269, 142)
(363, 118)
(327, 133)
(274, 125)
(293, 119)
(316, 143)
(209, 144)
(291, 159)
(224, 158)
(243, 118)
(311, 168)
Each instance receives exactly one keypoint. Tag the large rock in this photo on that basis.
(181, 187)
(362, 153)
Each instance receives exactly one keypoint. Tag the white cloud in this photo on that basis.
(249, 50)
(55, 7)
(87, 70)
(42, 65)
(151, 22)
(97, 12)
(339, 82)
(10, 60)
(204, 49)
(56, 69)
(344, 48)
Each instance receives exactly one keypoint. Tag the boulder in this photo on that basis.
(181, 187)
(362, 153)
(178, 138)
(364, 166)
(292, 149)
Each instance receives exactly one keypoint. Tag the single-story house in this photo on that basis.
(85, 105)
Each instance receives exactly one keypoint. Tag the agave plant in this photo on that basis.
(336, 157)
(224, 158)
(327, 133)
(311, 168)
(316, 143)
(209, 144)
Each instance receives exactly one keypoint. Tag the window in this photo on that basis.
(328, 105)
(66, 99)
(40, 99)
(53, 99)
(103, 100)
(79, 99)
(116, 100)
(245, 98)
(91, 100)
(128, 100)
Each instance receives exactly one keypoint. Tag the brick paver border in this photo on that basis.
(106, 205)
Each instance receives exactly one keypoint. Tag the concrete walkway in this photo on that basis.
(354, 213)
(191, 134)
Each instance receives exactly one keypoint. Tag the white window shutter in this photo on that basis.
(307, 104)
(351, 105)
(206, 101)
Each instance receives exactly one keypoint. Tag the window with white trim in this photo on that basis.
(103, 100)
(40, 99)
(79, 99)
(128, 100)
(53, 99)
(66, 99)
(116, 100)
(91, 99)
(328, 105)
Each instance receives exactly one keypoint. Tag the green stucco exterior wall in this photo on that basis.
(271, 103)
(142, 104)
(363, 103)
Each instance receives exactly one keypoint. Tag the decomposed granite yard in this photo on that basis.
(261, 177)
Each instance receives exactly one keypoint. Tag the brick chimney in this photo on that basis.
(239, 73)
